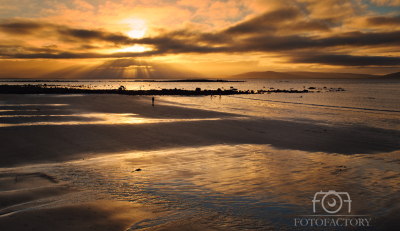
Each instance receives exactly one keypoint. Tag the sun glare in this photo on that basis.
(136, 33)
(138, 27)
(135, 48)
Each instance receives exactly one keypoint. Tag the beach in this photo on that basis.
(199, 115)
(115, 162)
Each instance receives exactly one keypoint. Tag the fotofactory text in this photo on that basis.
(332, 203)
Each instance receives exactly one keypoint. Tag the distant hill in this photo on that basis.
(301, 75)
(392, 76)
(263, 75)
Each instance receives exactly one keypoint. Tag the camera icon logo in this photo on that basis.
(331, 195)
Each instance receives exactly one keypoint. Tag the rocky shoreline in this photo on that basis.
(45, 89)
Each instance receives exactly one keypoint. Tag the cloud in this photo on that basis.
(196, 4)
(216, 14)
(334, 10)
(282, 31)
(80, 4)
(72, 55)
(265, 22)
(21, 27)
(70, 34)
(64, 33)
(384, 21)
(346, 60)
(288, 20)
(386, 2)
(189, 41)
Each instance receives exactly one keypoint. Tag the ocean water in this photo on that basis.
(251, 186)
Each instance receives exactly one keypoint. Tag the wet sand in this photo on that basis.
(57, 129)
(79, 127)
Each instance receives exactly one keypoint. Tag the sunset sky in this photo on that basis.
(186, 38)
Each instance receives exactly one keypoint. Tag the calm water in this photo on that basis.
(249, 186)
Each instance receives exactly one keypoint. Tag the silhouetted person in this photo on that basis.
(152, 101)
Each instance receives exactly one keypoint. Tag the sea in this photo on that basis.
(256, 186)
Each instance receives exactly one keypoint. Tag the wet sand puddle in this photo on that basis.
(228, 186)
(14, 115)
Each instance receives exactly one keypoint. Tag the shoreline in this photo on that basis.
(123, 81)
(53, 89)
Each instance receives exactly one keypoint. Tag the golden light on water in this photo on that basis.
(91, 118)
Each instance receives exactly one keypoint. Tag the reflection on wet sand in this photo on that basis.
(244, 186)
(44, 114)
(224, 174)
(93, 118)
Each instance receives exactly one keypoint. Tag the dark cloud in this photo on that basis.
(71, 55)
(196, 36)
(290, 19)
(265, 22)
(359, 39)
(88, 47)
(347, 60)
(11, 49)
(82, 34)
(315, 25)
(215, 38)
(63, 33)
(295, 42)
(43, 49)
(275, 43)
(21, 27)
(384, 21)
(76, 35)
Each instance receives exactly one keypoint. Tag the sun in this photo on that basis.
(138, 27)
(135, 33)
(137, 30)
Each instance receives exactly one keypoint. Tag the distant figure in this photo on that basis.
(152, 101)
